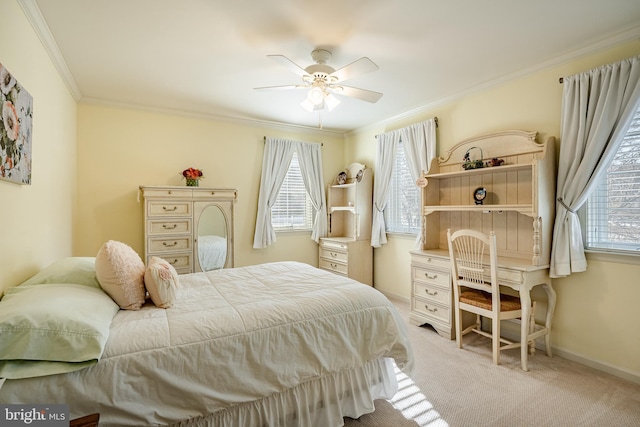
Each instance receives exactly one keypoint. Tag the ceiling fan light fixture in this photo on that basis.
(316, 95)
(311, 107)
(331, 102)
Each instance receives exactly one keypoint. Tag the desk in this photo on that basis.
(432, 297)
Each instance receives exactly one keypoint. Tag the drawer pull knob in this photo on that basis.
(432, 310)
(169, 245)
(169, 227)
(430, 276)
(433, 294)
(334, 266)
(333, 254)
(175, 261)
(171, 209)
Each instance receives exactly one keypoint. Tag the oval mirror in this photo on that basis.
(212, 238)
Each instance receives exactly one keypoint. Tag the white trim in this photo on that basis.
(33, 14)
(511, 330)
(625, 35)
(205, 116)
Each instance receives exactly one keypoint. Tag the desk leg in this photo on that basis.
(525, 302)
(551, 296)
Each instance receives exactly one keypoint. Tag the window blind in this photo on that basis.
(292, 209)
(613, 209)
(402, 214)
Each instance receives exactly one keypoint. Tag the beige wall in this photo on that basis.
(120, 149)
(36, 221)
(595, 317)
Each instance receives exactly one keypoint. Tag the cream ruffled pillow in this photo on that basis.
(161, 281)
(120, 271)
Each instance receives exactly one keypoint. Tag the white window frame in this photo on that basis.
(610, 218)
(402, 191)
(287, 201)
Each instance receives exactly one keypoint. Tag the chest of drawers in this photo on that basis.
(181, 224)
(431, 294)
(347, 257)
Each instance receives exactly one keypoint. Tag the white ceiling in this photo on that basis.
(206, 56)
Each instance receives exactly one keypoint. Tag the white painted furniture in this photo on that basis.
(476, 289)
(347, 248)
(519, 207)
(190, 227)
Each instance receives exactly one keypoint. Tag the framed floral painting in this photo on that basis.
(15, 129)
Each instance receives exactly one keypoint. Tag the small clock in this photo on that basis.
(479, 195)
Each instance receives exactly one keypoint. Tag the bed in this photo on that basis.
(277, 344)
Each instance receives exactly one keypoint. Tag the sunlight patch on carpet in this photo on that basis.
(413, 404)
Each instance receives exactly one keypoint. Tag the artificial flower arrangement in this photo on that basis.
(192, 176)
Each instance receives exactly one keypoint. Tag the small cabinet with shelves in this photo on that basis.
(519, 207)
(347, 248)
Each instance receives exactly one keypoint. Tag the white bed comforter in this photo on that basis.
(232, 336)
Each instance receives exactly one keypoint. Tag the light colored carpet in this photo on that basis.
(453, 387)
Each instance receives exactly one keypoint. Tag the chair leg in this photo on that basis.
(495, 333)
(458, 320)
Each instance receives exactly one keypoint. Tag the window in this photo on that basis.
(293, 209)
(613, 209)
(402, 214)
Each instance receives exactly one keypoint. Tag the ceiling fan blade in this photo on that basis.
(283, 60)
(354, 92)
(361, 66)
(281, 87)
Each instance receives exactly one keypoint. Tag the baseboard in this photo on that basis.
(511, 331)
(394, 297)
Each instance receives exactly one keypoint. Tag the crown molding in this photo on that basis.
(591, 47)
(220, 118)
(33, 14)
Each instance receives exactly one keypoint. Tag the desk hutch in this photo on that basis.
(519, 206)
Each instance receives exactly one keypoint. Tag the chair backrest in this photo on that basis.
(470, 251)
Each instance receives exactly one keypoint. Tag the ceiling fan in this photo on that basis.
(323, 80)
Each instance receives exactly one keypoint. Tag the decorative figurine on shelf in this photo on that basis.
(193, 176)
(472, 164)
(495, 162)
(341, 179)
(479, 195)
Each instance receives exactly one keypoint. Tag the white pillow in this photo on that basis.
(161, 281)
(120, 271)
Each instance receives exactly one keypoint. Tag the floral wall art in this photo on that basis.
(15, 129)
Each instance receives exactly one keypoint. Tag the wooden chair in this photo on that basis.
(477, 291)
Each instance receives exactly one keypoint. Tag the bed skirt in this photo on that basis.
(320, 402)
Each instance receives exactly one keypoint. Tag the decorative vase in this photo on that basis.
(191, 182)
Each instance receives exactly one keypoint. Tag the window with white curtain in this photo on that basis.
(612, 212)
(402, 214)
(293, 209)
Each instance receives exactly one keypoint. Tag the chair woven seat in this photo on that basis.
(483, 300)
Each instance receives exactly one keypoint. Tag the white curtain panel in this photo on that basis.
(597, 109)
(310, 160)
(420, 148)
(385, 158)
(275, 164)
